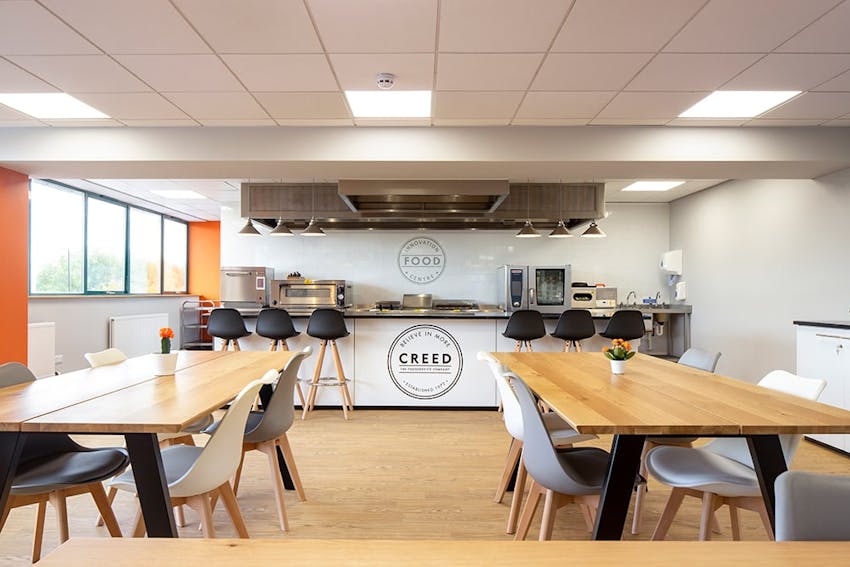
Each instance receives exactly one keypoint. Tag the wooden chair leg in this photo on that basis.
(110, 497)
(102, 503)
(733, 517)
(269, 449)
(765, 520)
(550, 506)
(289, 459)
(57, 499)
(232, 506)
(138, 521)
(38, 534)
(507, 472)
(534, 494)
(666, 519)
(202, 505)
(179, 516)
(516, 499)
(637, 516)
(705, 517)
(340, 374)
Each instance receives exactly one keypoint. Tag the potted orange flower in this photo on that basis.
(618, 353)
(165, 361)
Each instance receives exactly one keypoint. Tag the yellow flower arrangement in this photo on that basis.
(619, 350)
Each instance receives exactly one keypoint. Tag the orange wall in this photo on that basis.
(204, 259)
(14, 216)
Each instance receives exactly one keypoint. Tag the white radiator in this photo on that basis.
(41, 349)
(136, 335)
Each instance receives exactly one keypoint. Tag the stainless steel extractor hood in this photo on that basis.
(418, 198)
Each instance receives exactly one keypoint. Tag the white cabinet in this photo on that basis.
(824, 352)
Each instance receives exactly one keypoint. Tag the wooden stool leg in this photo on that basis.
(273, 344)
(528, 346)
(340, 376)
(236, 345)
(518, 346)
(224, 343)
(578, 346)
(311, 394)
(283, 345)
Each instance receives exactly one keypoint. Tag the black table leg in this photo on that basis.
(11, 444)
(151, 485)
(769, 463)
(618, 486)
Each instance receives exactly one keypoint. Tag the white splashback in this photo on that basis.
(628, 258)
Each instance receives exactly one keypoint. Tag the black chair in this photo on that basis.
(227, 324)
(626, 324)
(276, 325)
(328, 325)
(525, 326)
(53, 466)
(574, 325)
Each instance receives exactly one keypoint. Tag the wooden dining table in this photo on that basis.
(659, 397)
(128, 399)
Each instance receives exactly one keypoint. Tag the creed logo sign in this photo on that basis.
(421, 260)
(425, 362)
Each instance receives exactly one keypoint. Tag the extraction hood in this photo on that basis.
(427, 204)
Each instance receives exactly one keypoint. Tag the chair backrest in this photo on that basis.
(812, 507)
(220, 457)
(226, 323)
(525, 325)
(737, 449)
(275, 323)
(280, 413)
(700, 358)
(575, 324)
(105, 357)
(510, 405)
(327, 324)
(626, 324)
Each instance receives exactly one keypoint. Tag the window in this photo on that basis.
(84, 243)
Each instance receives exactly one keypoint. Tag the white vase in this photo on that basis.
(618, 366)
(164, 364)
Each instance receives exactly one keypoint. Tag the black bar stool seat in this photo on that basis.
(525, 326)
(574, 325)
(328, 325)
(276, 325)
(626, 324)
(227, 324)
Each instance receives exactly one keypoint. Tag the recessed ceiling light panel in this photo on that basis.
(737, 104)
(389, 104)
(50, 105)
(652, 185)
(178, 194)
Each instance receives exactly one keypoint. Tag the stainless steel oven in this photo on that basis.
(300, 297)
(543, 288)
(246, 286)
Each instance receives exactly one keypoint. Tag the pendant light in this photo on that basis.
(528, 230)
(281, 229)
(561, 230)
(593, 231)
(312, 228)
(249, 228)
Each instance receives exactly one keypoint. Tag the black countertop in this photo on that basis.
(827, 324)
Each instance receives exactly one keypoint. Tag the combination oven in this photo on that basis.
(543, 288)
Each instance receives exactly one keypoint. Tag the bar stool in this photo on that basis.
(328, 325)
(574, 325)
(276, 325)
(525, 326)
(227, 324)
(626, 324)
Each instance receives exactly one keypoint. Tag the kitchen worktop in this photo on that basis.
(828, 324)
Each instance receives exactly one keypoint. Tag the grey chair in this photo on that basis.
(574, 325)
(563, 475)
(227, 324)
(53, 466)
(812, 507)
(695, 358)
(721, 471)
(524, 326)
(265, 431)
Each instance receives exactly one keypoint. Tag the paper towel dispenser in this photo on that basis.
(671, 262)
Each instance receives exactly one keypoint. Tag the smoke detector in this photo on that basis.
(385, 80)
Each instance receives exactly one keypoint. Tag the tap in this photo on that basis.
(658, 298)
(631, 294)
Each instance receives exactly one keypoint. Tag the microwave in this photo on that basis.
(542, 288)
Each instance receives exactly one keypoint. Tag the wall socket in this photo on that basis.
(58, 359)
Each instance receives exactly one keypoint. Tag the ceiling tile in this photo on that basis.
(471, 121)
(182, 73)
(303, 105)
(623, 25)
(376, 26)
(825, 106)
(650, 105)
(839, 83)
(827, 35)
(392, 121)
(28, 29)
(413, 71)
(157, 123)
(73, 123)
(708, 122)
(842, 122)
(486, 72)
(16, 80)
(5, 123)
(315, 122)
(588, 71)
(240, 122)
(218, 106)
(81, 73)
(790, 71)
(274, 73)
(124, 26)
(690, 71)
(476, 105)
(253, 26)
(133, 106)
(550, 121)
(571, 105)
(754, 26)
(10, 114)
(629, 121)
(782, 122)
(509, 26)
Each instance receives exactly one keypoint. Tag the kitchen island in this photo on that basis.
(427, 357)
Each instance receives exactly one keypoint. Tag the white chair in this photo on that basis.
(196, 474)
(695, 358)
(812, 507)
(561, 433)
(721, 471)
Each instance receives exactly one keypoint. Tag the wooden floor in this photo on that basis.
(390, 474)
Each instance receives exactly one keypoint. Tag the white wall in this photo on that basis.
(628, 258)
(757, 256)
(82, 323)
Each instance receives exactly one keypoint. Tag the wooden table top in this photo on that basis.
(32, 399)
(659, 397)
(108, 552)
(163, 404)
